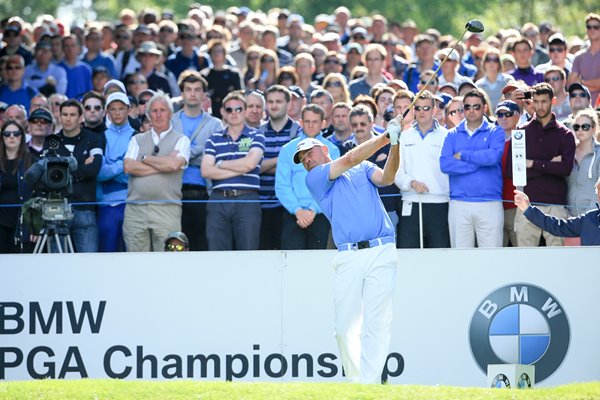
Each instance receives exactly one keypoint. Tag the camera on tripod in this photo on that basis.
(52, 178)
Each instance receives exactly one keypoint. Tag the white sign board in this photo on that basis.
(268, 316)
(519, 158)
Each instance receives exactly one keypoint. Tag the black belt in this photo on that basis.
(235, 192)
(186, 187)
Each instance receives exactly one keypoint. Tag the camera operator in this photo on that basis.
(85, 147)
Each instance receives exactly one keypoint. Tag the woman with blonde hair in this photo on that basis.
(494, 79)
(266, 71)
(335, 83)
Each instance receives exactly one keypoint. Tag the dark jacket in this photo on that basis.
(547, 180)
(24, 192)
(586, 226)
(85, 144)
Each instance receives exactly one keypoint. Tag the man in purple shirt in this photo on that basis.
(523, 51)
(550, 150)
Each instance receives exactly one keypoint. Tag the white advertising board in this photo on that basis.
(268, 316)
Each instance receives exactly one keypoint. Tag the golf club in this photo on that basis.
(474, 26)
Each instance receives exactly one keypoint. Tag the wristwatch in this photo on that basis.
(219, 163)
(143, 158)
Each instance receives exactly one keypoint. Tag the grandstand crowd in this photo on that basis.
(191, 125)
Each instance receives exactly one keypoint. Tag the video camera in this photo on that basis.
(52, 177)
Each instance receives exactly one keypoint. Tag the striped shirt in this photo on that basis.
(274, 141)
(222, 146)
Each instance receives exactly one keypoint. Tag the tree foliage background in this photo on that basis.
(448, 16)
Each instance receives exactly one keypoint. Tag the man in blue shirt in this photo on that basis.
(232, 160)
(197, 125)
(15, 90)
(365, 266)
(303, 225)
(471, 156)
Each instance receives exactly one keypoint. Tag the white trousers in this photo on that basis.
(364, 285)
(470, 221)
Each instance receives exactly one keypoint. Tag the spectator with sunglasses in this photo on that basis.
(232, 160)
(579, 99)
(550, 151)
(155, 161)
(420, 180)
(494, 80)
(15, 90)
(585, 65)
(15, 159)
(507, 117)
(471, 156)
(93, 113)
(586, 167)
(557, 49)
(556, 77)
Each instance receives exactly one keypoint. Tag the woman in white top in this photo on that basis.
(493, 80)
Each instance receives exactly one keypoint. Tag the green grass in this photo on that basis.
(115, 390)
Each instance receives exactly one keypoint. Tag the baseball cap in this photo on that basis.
(118, 96)
(41, 113)
(297, 91)
(451, 54)
(466, 82)
(354, 46)
(448, 85)
(148, 47)
(114, 82)
(579, 86)
(305, 144)
(143, 29)
(12, 28)
(43, 44)
(557, 37)
(508, 105)
(182, 237)
(509, 88)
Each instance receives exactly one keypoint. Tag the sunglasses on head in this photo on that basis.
(504, 114)
(422, 108)
(578, 94)
(552, 79)
(475, 107)
(237, 109)
(454, 112)
(8, 133)
(90, 108)
(585, 127)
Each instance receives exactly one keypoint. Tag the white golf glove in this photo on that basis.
(393, 130)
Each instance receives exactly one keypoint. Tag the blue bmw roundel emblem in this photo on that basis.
(520, 324)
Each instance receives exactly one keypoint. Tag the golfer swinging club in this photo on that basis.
(366, 262)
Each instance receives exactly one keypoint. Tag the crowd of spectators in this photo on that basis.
(191, 125)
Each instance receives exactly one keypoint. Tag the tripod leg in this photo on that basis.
(60, 249)
(39, 246)
(69, 244)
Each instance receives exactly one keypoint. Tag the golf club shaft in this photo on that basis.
(434, 74)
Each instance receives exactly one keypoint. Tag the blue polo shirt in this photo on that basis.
(223, 147)
(79, 79)
(274, 141)
(351, 203)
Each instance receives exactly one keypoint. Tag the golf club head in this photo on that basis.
(474, 26)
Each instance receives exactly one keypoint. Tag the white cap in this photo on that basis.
(446, 53)
(117, 96)
(114, 82)
(306, 144)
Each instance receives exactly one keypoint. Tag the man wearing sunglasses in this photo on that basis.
(557, 49)
(93, 113)
(507, 117)
(556, 77)
(471, 156)
(585, 65)
(15, 90)
(232, 160)
(550, 152)
(580, 98)
(421, 181)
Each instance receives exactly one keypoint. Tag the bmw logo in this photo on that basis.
(520, 324)
(518, 135)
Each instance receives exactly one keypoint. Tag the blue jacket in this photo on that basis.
(477, 176)
(111, 178)
(290, 178)
(586, 225)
